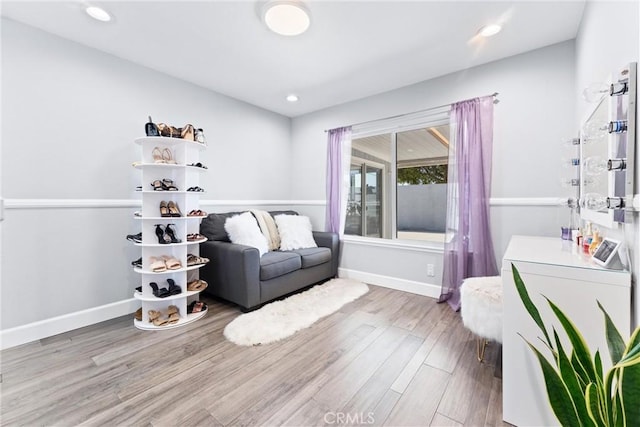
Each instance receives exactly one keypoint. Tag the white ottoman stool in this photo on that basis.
(481, 309)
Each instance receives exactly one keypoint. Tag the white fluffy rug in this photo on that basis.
(281, 319)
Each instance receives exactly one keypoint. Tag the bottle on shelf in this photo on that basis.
(595, 241)
(587, 237)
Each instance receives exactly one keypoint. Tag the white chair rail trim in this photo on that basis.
(135, 203)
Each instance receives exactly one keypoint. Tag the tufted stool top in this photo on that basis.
(481, 306)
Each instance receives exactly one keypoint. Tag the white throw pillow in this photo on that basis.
(243, 229)
(295, 232)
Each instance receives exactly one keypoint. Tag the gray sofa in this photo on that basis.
(238, 274)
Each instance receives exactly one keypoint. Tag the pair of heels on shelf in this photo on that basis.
(197, 212)
(164, 156)
(173, 315)
(195, 237)
(197, 165)
(196, 307)
(163, 185)
(196, 189)
(169, 209)
(197, 285)
(136, 238)
(167, 234)
(173, 289)
(164, 263)
(187, 132)
(196, 260)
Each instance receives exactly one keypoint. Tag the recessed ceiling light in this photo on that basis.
(286, 17)
(490, 30)
(98, 13)
(292, 98)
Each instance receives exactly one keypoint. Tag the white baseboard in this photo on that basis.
(57, 325)
(420, 288)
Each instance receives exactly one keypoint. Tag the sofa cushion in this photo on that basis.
(243, 230)
(274, 213)
(276, 264)
(313, 256)
(212, 227)
(295, 232)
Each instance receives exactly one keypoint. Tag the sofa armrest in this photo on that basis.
(233, 272)
(329, 240)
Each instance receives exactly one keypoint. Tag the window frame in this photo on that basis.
(393, 126)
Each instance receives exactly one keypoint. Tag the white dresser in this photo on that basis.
(554, 268)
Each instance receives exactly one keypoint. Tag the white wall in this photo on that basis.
(69, 118)
(609, 39)
(536, 110)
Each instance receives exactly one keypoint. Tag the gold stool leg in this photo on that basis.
(481, 345)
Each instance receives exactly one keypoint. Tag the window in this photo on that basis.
(398, 182)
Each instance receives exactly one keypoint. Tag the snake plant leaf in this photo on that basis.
(629, 383)
(570, 379)
(618, 416)
(605, 398)
(557, 393)
(528, 304)
(614, 339)
(593, 406)
(582, 374)
(598, 364)
(614, 408)
(583, 355)
(630, 394)
(632, 352)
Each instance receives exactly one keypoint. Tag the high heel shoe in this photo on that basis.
(188, 133)
(169, 231)
(166, 130)
(164, 185)
(168, 185)
(164, 209)
(157, 185)
(157, 155)
(163, 237)
(157, 265)
(173, 314)
(173, 288)
(160, 293)
(167, 156)
(174, 211)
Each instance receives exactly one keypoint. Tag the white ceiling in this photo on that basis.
(352, 50)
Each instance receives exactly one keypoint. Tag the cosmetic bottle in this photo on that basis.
(595, 241)
(587, 237)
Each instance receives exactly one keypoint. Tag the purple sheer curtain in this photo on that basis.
(338, 162)
(468, 249)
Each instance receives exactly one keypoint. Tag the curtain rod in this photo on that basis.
(495, 101)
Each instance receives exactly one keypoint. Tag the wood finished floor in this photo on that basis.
(389, 358)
